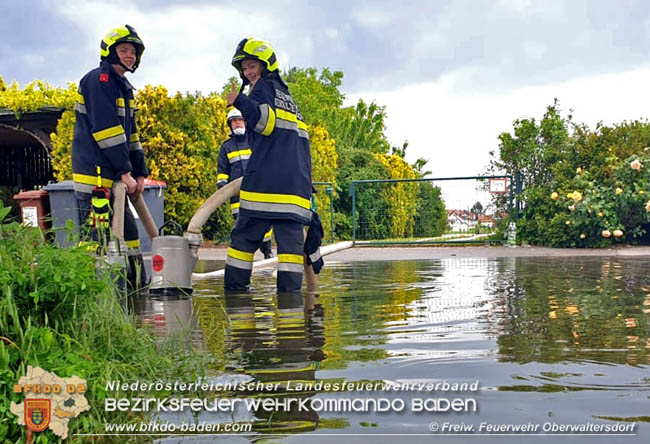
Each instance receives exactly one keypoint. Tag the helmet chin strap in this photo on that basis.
(115, 60)
(126, 68)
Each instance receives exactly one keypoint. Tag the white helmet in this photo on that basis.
(234, 114)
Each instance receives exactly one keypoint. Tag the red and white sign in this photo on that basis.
(499, 185)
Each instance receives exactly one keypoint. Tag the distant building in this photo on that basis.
(464, 220)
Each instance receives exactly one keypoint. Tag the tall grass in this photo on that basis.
(57, 313)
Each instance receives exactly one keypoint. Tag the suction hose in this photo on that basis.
(119, 201)
(211, 204)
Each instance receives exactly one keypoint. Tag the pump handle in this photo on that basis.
(176, 227)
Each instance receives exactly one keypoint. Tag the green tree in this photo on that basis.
(181, 136)
(371, 204)
(362, 127)
(318, 96)
(534, 148)
(431, 216)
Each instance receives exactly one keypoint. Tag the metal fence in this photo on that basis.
(475, 209)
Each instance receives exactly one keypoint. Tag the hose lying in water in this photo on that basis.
(324, 251)
(217, 199)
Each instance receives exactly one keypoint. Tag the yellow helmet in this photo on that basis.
(123, 34)
(255, 49)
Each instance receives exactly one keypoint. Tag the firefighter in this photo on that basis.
(106, 147)
(276, 187)
(233, 158)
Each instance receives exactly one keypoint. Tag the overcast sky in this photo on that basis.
(453, 75)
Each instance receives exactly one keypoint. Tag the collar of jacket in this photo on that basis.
(275, 75)
(107, 68)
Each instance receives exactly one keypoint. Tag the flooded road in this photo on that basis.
(469, 348)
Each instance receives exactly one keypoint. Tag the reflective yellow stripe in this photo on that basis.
(268, 234)
(239, 153)
(234, 205)
(135, 137)
(133, 243)
(241, 255)
(222, 177)
(290, 258)
(81, 99)
(291, 117)
(91, 180)
(120, 102)
(266, 124)
(276, 198)
(108, 132)
(131, 103)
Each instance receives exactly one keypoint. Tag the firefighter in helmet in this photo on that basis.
(106, 147)
(276, 187)
(233, 158)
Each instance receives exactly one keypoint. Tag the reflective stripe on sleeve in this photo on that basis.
(135, 146)
(266, 124)
(235, 156)
(110, 136)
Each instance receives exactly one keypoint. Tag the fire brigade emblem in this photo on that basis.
(37, 414)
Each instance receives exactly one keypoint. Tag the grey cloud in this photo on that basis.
(37, 43)
(383, 44)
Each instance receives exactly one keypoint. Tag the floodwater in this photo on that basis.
(477, 348)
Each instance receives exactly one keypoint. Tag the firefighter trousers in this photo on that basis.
(266, 247)
(247, 236)
(136, 275)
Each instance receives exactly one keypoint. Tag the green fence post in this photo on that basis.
(330, 194)
(518, 189)
(354, 212)
(512, 196)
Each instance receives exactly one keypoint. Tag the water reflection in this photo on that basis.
(591, 311)
(567, 339)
